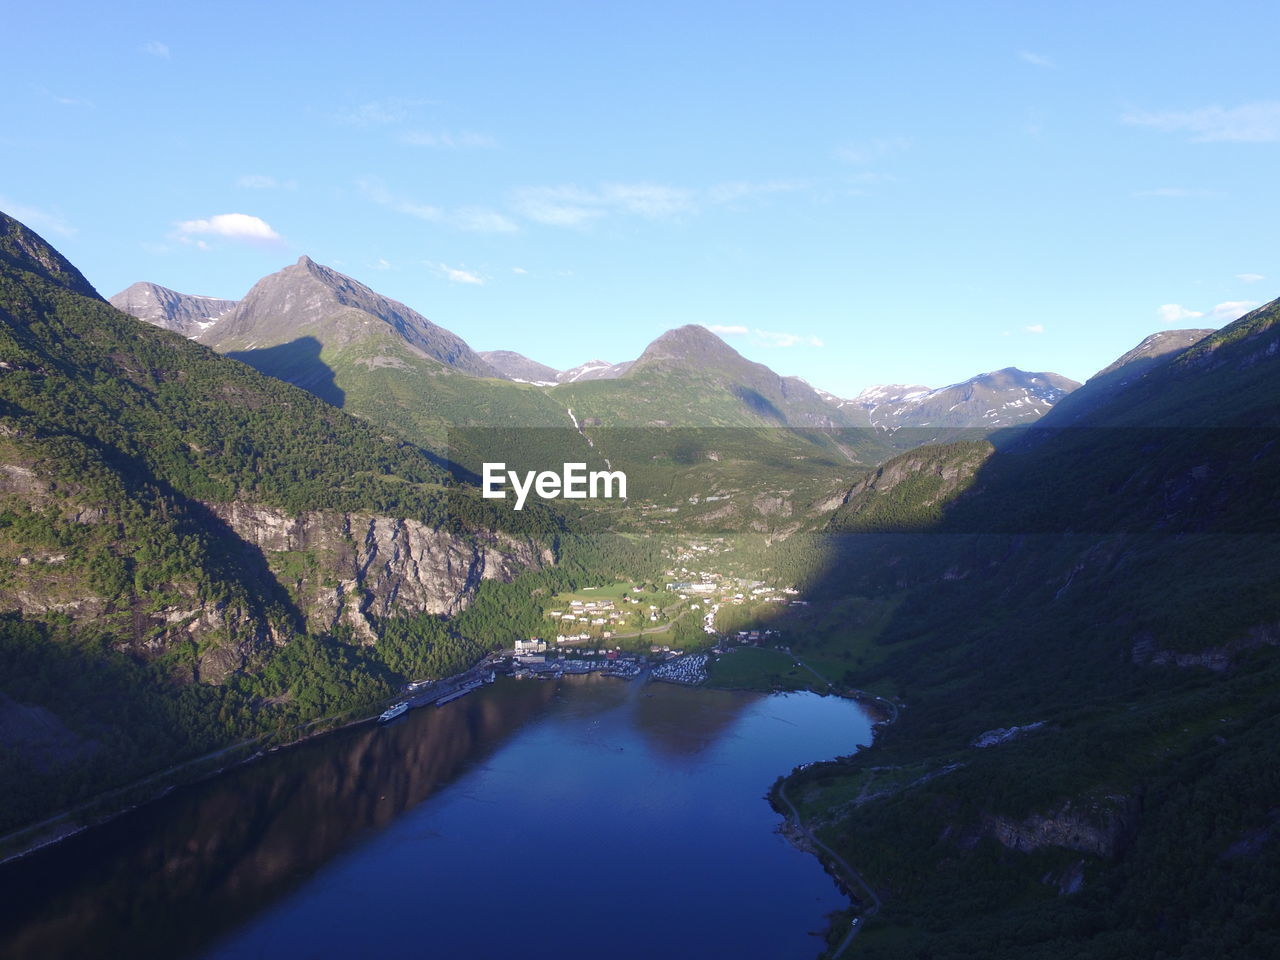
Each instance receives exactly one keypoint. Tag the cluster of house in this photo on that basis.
(584, 614)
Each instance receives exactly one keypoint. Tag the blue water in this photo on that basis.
(587, 817)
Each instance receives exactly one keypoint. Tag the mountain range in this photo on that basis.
(308, 309)
(1072, 619)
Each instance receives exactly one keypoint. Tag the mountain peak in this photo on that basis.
(688, 343)
(184, 313)
(309, 299)
(22, 247)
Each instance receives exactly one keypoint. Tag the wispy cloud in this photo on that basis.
(1257, 122)
(1175, 313)
(735, 190)
(1250, 277)
(64, 100)
(37, 219)
(258, 181)
(571, 206)
(472, 219)
(766, 338)
(869, 151)
(1034, 328)
(235, 226)
(464, 140)
(578, 207)
(1036, 59)
(457, 274)
(380, 113)
(155, 48)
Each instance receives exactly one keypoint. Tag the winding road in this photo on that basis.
(850, 873)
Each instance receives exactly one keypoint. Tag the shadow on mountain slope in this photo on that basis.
(297, 362)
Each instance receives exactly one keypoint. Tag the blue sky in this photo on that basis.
(854, 193)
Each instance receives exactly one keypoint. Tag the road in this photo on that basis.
(850, 873)
(893, 707)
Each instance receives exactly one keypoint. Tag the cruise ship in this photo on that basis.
(393, 711)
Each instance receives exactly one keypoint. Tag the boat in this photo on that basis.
(394, 711)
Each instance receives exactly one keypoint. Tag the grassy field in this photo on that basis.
(761, 668)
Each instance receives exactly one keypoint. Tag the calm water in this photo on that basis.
(585, 817)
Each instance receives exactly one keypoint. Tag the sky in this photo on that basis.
(850, 192)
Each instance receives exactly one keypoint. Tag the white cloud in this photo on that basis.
(775, 338)
(1231, 310)
(472, 219)
(1250, 277)
(1036, 59)
(479, 220)
(572, 206)
(63, 100)
(39, 220)
(558, 206)
(259, 181)
(1223, 313)
(649, 200)
(744, 189)
(1257, 122)
(519, 270)
(380, 264)
(465, 139)
(1034, 328)
(155, 48)
(868, 151)
(380, 113)
(457, 274)
(1174, 313)
(765, 338)
(238, 226)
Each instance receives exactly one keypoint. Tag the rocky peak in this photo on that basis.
(184, 313)
(22, 247)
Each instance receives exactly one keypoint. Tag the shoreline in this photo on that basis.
(802, 839)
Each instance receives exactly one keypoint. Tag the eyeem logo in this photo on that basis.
(572, 483)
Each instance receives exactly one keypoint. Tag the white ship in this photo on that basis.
(394, 711)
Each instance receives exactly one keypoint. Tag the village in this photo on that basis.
(673, 627)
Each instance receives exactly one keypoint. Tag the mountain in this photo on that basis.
(311, 301)
(1153, 352)
(990, 401)
(594, 370)
(1082, 633)
(192, 553)
(516, 366)
(182, 313)
(690, 377)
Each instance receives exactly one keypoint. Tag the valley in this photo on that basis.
(249, 522)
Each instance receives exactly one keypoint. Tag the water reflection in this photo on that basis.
(171, 876)
(517, 821)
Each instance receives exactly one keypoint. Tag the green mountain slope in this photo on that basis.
(191, 551)
(1084, 637)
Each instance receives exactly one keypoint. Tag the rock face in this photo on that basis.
(182, 313)
(1101, 827)
(348, 569)
(351, 568)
